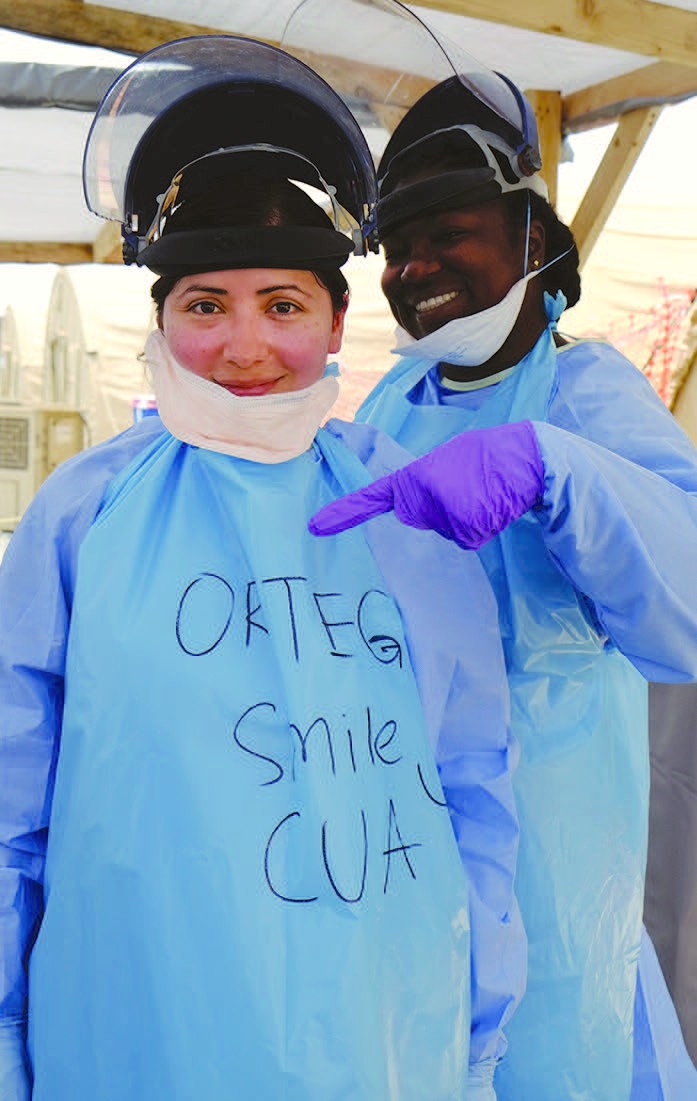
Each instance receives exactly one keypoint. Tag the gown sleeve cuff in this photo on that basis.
(15, 1074)
(480, 1081)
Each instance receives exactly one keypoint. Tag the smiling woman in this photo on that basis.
(253, 331)
(265, 811)
(595, 597)
(257, 332)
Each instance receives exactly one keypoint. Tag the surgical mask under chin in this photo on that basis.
(473, 340)
(271, 428)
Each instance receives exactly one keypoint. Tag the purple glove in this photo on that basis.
(468, 489)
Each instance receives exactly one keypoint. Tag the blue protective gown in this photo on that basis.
(256, 810)
(596, 592)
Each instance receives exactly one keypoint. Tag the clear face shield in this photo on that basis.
(383, 60)
(446, 131)
(177, 109)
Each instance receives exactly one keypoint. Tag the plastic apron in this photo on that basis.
(253, 887)
(579, 713)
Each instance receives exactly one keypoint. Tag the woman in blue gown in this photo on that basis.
(257, 833)
(595, 584)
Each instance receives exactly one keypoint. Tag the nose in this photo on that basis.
(421, 263)
(244, 344)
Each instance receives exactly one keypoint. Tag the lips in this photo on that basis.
(249, 389)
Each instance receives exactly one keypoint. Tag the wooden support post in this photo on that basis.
(108, 245)
(604, 189)
(547, 108)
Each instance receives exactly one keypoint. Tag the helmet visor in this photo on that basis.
(382, 58)
(195, 70)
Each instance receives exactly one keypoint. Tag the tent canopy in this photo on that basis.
(582, 64)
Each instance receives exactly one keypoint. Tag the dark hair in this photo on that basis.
(249, 199)
(564, 274)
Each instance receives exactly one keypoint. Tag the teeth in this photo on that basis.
(432, 303)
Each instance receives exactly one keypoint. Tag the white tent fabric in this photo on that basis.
(640, 281)
(40, 187)
(10, 368)
(531, 59)
(98, 318)
(25, 290)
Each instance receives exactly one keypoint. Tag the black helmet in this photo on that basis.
(192, 106)
(486, 152)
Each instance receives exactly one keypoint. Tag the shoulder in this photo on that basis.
(375, 449)
(67, 503)
(78, 484)
(603, 397)
(594, 379)
(42, 555)
(587, 363)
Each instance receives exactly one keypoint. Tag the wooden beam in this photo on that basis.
(642, 27)
(44, 252)
(108, 245)
(660, 82)
(620, 157)
(547, 108)
(94, 25)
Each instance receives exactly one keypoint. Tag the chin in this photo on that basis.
(426, 328)
(432, 324)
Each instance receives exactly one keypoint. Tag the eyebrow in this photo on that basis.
(199, 288)
(283, 287)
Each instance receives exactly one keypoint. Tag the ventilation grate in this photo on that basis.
(14, 443)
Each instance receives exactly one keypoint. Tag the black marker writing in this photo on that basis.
(267, 860)
(328, 624)
(252, 611)
(327, 863)
(392, 849)
(429, 793)
(237, 735)
(201, 589)
(321, 725)
(287, 584)
(372, 607)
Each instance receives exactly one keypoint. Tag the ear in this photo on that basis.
(337, 333)
(536, 245)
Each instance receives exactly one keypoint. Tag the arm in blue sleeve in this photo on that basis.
(33, 629)
(37, 580)
(625, 534)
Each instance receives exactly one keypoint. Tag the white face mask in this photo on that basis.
(473, 340)
(271, 428)
(469, 341)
